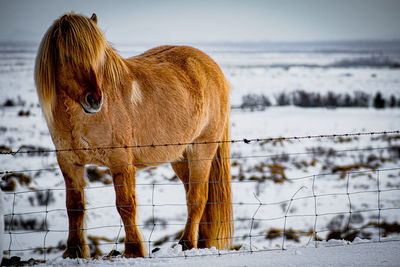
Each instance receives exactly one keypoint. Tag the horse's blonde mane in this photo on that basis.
(72, 39)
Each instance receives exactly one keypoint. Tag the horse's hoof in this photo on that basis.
(134, 251)
(133, 255)
(76, 252)
(114, 253)
(186, 244)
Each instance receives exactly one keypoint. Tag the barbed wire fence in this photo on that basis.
(247, 240)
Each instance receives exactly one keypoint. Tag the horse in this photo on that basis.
(93, 98)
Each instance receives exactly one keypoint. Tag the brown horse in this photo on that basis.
(91, 97)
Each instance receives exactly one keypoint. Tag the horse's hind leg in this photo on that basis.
(124, 184)
(77, 246)
(199, 165)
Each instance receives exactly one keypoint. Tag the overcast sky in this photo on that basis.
(163, 21)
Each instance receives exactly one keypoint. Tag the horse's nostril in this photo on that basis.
(90, 99)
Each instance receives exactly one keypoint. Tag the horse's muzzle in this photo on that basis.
(92, 105)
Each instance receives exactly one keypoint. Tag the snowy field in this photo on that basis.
(327, 254)
(352, 184)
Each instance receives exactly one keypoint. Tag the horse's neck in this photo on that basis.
(66, 125)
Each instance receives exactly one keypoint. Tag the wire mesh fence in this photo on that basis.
(337, 204)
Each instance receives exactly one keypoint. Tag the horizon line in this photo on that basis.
(228, 42)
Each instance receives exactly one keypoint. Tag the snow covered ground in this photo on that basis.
(266, 175)
(333, 253)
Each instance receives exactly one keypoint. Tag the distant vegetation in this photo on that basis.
(302, 98)
(299, 98)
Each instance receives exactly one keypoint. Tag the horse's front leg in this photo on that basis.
(77, 246)
(124, 184)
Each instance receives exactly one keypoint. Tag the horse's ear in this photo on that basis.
(94, 18)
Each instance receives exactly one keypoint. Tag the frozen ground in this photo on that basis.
(327, 254)
(270, 173)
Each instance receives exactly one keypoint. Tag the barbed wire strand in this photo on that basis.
(244, 140)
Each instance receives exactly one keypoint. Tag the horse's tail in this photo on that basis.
(216, 226)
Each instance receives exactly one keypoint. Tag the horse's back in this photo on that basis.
(195, 69)
(154, 51)
(184, 57)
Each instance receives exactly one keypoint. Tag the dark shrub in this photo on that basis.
(254, 101)
(392, 102)
(379, 102)
(282, 99)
